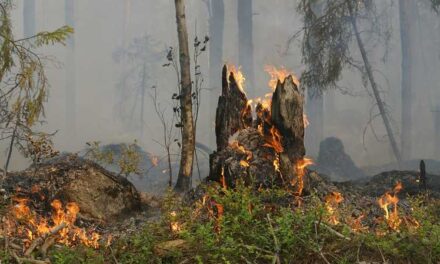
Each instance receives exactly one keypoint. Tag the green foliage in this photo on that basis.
(263, 226)
(128, 160)
(23, 83)
(78, 255)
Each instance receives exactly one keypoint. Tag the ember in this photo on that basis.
(332, 202)
(300, 170)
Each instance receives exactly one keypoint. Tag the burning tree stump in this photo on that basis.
(100, 194)
(233, 112)
(265, 151)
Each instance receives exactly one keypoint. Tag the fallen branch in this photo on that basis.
(332, 230)
(41, 239)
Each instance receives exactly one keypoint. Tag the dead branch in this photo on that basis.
(41, 239)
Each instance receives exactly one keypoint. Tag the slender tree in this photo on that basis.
(69, 9)
(329, 30)
(216, 29)
(407, 15)
(245, 43)
(187, 123)
(315, 116)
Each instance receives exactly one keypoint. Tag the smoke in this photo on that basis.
(100, 27)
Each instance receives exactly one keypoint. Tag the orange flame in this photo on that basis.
(332, 201)
(40, 226)
(238, 76)
(391, 199)
(300, 170)
(278, 74)
(274, 140)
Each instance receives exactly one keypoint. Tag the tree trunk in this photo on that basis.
(233, 111)
(436, 114)
(374, 87)
(143, 88)
(70, 71)
(29, 21)
(315, 130)
(287, 116)
(245, 44)
(188, 140)
(407, 11)
(216, 29)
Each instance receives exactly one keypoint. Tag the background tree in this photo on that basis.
(329, 29)
(138, 58)
(29, 21)
(245, 43)
(23, 83)
(216, 29)
(69, 9)
(185, 97)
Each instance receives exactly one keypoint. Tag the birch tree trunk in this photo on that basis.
(188, 139)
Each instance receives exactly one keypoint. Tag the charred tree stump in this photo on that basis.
(263, 151)
(233, 112)
(287, 117)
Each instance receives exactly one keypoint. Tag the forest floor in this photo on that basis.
(387, 219)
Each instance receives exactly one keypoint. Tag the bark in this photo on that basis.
(188, 139)
(407, 11)
(374, 87)
(315, 115)
(287, 116)
(70, 71)
(233, 112)
(245, 43)
(11, 146)
(216, 29)
(29, 22)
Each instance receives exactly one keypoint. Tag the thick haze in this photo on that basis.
(99, 34)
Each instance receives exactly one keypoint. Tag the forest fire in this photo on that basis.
(386, 201)
(238, 76)
(332, 201)
(278, 74)
(61, 224)
(300, 170)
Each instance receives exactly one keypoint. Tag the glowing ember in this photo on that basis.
(356, 224)
(274, 140)
(174, 224)
(238, 76)
(300, 170)
(278, 74)
(276, 165)
(154, 160)
(36, 226)
(244, 163)
(391, 199)
(332, 201)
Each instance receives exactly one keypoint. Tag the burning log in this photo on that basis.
(99, 194)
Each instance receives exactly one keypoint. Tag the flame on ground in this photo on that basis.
(300, 170)
(273, 140)
(332, 201)
(35, 226)
(386, 201)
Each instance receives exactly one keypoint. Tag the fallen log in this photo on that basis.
(100, 194)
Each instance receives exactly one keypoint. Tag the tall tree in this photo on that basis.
(329, 31)
(245, 43)
(69, 9)
(407, 16)
(29, 21)
(186, 122)
(216, 29)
